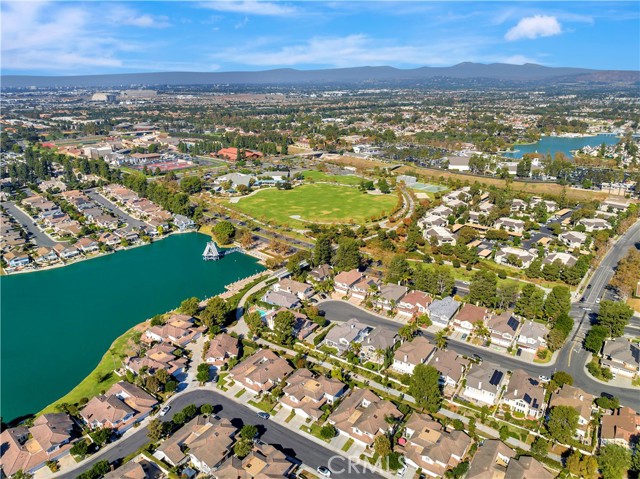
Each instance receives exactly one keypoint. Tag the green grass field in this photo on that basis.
(340, 179)
(322, 203)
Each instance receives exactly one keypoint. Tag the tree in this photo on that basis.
(398, 270)
(246, 240)
(190, 306)
(191, 184)
(595, 338)
(215, 313)
(614, 316)
(80, 449)
(328, 431)
(539, 446)
(558, 301)
(242, 448)
(605, 402)
(561, 378)
(224, 231)
(283, 324)
(206, 409)
(523, 168)
(155, 429)
(530, 302)
(614, 461)
(254, 322)
(506, 295)
(441, 339)
(425, 387)
(382, 445)
(407, 332)
(383, 186)
(204, 375)
(483, 288)
(248, 432)
(323, 250)
(348, 254)
(580, 465)
(562, 423)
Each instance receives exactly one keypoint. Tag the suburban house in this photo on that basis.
(573, 239)
(321, 273)
(261, 371)
(579, 400)
(28, 449)
(439, 235)
(119, 408)
(548, 205)
(363, 415)
(532, 336)
(366, 286)
(442, 310)
(414, 303)
(109, 238)
(15, 260)
(264, 461)
(613, 205)
(343, 282)
(160, 356)
(46, 255)
(431, 220)
(341, 336)
(222, 348)
(441, 210)
(514, 257)
(518, 205)
(429, 447)
(510, 225)
(138, 468)
(302, 326)
(375, 344)
(451, 368)
(301, 290)
(621, 428)
(491, 460)
(87, 245)
(525, 395)
(527, 466)
(565, 259)
(183, 223)
(305, 393)
(622, 357)
(204, 442)
(283, 299)
(179, 329)
(484, 384)
(411, 353)
(65, 252)
(503, 330)
(390, 295)
(468, 316)
(595, 224)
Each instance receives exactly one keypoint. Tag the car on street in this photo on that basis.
(264, 415)
(324, 471)
(544, 379)
(598, 301)
(475, 357)
(402, 470)
(164, 410)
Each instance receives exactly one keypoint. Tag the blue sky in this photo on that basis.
(61, 38)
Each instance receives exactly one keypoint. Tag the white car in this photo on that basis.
(401, 471)
(324, 471)
(164, 410)
(544, 379)
(598, 301)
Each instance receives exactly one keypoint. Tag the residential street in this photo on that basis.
(105, 203)
(38, 236)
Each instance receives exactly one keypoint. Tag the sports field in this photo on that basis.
(340, 179)
(320, 202)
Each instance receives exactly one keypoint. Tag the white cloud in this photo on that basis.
(251, 7)
(121, 15)
(517, 60)
(534, 27)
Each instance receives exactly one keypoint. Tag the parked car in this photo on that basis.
(402, 470)
(264, 415)
(324, 471)
(544, 379)
(164, 410)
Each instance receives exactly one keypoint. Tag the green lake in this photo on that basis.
(57, 324)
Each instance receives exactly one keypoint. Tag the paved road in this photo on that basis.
(37, 235)
(294, 445)
(571, 359)
(105, 203)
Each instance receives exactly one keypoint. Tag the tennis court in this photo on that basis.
(428, 187)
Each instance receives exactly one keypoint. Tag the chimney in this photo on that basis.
(480, 385)
(405, 358)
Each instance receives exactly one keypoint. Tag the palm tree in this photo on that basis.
(441, 339)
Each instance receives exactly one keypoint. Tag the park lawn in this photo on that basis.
(90, 387)
(340, 179)
(316, 203)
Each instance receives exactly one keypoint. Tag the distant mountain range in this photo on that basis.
(499, 72)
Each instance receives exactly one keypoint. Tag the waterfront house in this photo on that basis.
(283, 299)
(621, 428)
(183, 223)
(109, 238)
(87, 245)
(343, 335)
(28, 449)
(160, 356)
(119, 408)
(491, 461)
(595, 224)
(390, 295)
(414, 303)
(306, 393)
(179, 329)
(343, 282)
(525, 395)
(362, 416)
(442, 310)
(320, 274)
(511, 256)
(16, 260)
(264, 461)
(451, 368)
(510, 225)
(503, 328)
(261, 371)
(468, 317)
(411, 353)
(428, 446)
(65, 252)
(301, 290)
(375, 345)
(45, 255)
(532, 336)
(579, 400)
(222, 348)
(484, 384)
(622, 357)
